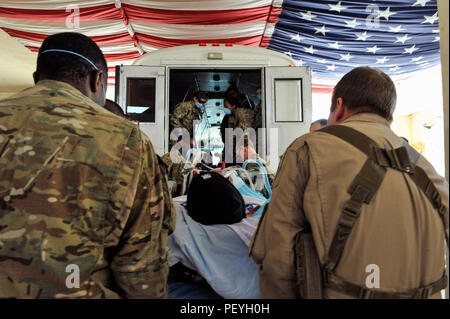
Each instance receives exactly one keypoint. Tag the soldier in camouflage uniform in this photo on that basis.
(115, 108)
(175, 170)
(257, 121)
(236, 117)
(185, 113)
(84, 206)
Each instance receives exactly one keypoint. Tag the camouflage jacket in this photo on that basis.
(184, 115)
(175, 170)
(84, 206)
(242, 118)
(257, 121)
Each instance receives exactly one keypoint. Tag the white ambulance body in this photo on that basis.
(149, 90)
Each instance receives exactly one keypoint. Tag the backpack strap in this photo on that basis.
(403, 159)
(362, 190)
(426, 185)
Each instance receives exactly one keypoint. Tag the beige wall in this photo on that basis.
(401, 125)
(424, 131)
(427, 137)
(17, 65)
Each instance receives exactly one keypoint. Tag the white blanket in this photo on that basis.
(217, 252)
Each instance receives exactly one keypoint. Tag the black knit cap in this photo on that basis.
(212, 199)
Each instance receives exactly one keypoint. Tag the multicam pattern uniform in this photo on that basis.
(79, 185)
(175, 170)
(184, 115)
(257, 121)
(243, 118)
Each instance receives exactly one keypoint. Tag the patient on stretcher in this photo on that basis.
(209, 247)
(211, 261)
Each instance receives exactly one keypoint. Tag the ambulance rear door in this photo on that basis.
(288, 108)
(140, 91)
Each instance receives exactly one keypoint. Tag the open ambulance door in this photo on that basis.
(140, 91)
(288, 110)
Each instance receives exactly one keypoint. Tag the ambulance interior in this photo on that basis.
(183, 83)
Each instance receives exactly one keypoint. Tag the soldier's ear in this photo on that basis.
(96, 86)
(96, 81)
(339, 112)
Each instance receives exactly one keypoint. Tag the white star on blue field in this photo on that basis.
(332, 37)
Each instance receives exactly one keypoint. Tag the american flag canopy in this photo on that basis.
(332, 37)
(399, 36)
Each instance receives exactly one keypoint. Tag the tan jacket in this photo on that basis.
(399, 231)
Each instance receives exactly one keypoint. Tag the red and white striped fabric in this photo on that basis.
(126, 29)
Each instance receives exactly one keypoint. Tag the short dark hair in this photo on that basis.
(366, 89)
(62, 65)
(232, 87)
(232, 100)
(322, 122)
(200, 95)
(233, 91)
(113, 107)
